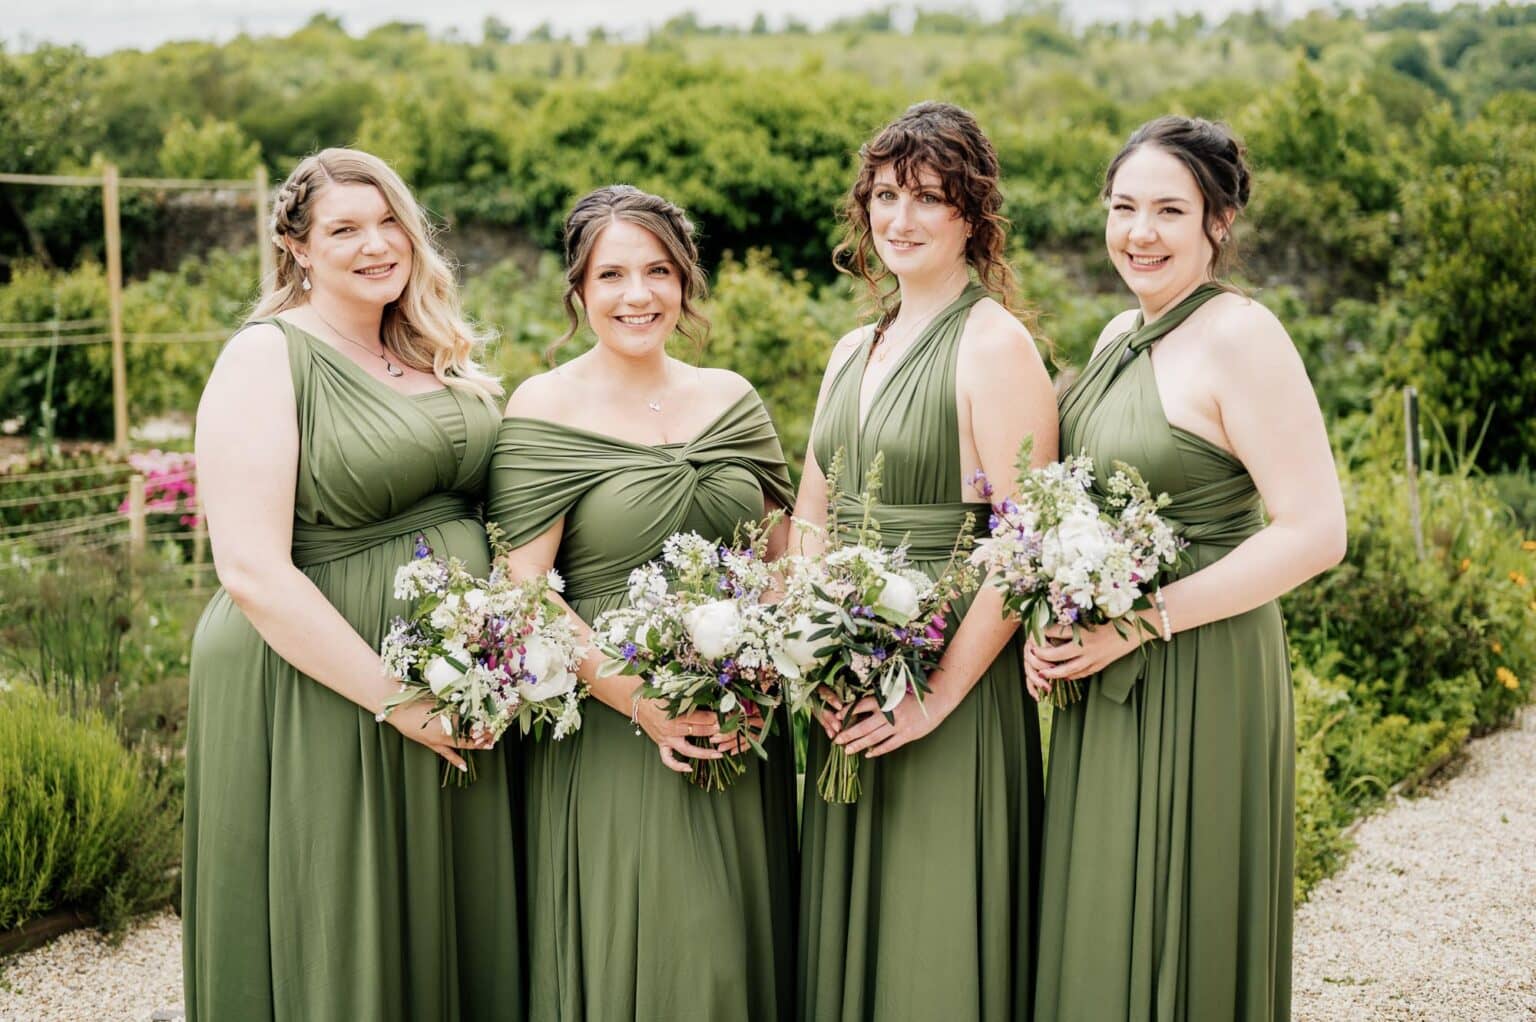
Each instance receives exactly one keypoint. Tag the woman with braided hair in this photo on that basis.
(327, 872)
(648, 897)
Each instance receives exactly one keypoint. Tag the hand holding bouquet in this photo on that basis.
(861, 622)
(697, 632)
(487, 654)
(1061, 557)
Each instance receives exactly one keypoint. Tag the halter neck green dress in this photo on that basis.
(327, 874)
(647, 897)
(918, 901)
(1166, 885)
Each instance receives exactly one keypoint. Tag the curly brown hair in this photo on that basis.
(945, 139)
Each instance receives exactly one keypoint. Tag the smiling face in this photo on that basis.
(916, 231)
(632, 291)
(1155, 231)
(356, 249)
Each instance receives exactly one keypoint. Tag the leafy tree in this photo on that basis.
(212, 149)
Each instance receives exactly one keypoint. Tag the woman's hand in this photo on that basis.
(415, 721)
(832, 715)
(672, 734)
(1039, 686)
(1094, 649)
(871, 731)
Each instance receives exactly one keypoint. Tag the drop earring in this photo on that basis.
(304, 284)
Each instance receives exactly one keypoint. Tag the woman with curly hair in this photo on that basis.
(918, 901)
(328, 873)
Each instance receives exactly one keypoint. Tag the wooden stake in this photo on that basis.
(1411, 458)
(137, 508)
(109, 211)
(263, 242)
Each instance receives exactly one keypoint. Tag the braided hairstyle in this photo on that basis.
(946, 140)
(425, 327)
(1215, 157)
(664, 219)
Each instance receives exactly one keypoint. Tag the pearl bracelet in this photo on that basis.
(1162, 613)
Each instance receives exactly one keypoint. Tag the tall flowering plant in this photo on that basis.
(170, 483)
(861, 621)
(1060, 556)
(485, 655)
(698, 633)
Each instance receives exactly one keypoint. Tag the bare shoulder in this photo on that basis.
(1114, 328)
(253, 347)
(1237, 327)
(847, 345)
(728, 383)
(991, 331)
(542, 396)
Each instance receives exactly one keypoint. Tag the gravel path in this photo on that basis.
(78, 978)
(1434, 916)
(1432, 920)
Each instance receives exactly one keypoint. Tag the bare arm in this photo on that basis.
(246, 481)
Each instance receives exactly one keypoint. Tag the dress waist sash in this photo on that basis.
(316, 544)
(929, 530)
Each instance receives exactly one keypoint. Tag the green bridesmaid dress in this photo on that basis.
(647, 897)
(918, 901)
(1166, 885)
(327, 873)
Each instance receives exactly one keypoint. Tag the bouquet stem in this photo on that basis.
(839, 780)
(1066, 692)
(716, 774)
(460, 778)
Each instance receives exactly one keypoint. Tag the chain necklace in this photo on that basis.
(389, 366)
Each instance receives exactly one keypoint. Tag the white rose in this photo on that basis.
(542, 659)
(441, 675)
(899, 596)
(799, 644)
(714, 628)
(1079, 537)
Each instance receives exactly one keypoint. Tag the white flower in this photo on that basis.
(1080, 536)
(444, 613)
(714, 628)
(799, 644)
(476, 599)
(441, 675)
(555, 582)
(543, 660)
(899, 596)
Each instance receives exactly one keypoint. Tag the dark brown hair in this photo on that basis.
(945, 139)
(666, 220)
(1214, 156)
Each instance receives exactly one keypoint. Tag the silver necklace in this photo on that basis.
(883, 346)
(389, 366)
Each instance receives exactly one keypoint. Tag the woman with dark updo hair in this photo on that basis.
(918, 901)
(1166, 878)
(647, 896)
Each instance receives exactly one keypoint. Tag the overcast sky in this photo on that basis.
(104, 25)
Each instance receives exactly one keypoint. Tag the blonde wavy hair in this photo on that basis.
(425, 327)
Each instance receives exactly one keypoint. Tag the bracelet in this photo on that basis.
(1162, 613)
(634, 714)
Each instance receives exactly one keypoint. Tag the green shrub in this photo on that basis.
(82, 825)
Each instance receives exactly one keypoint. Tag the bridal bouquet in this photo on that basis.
(486, 655)
(862, 622)
(697, 632)
(1061, 557)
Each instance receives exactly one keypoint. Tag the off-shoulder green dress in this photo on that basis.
(327, 873)
(647, 897)
(918, 901)
(1166, 884)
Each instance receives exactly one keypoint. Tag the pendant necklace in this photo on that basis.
(883, 346)
(389, 366)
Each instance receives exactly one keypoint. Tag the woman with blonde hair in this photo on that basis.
(328, 874)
